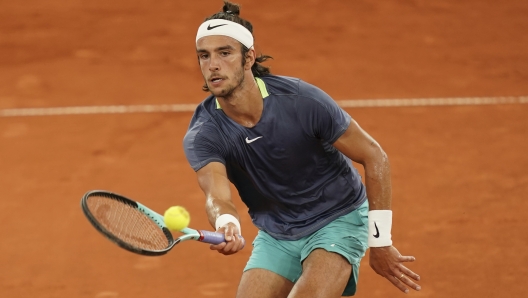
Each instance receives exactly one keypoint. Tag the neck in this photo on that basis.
(245, 105)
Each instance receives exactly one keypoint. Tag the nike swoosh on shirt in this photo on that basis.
(252, 140)
(209, 27)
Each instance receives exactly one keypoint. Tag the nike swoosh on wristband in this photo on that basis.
(209, 27)
(252, 140)
(377, 231)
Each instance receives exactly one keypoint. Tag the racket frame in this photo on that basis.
(188, 233)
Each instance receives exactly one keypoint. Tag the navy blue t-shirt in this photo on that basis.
(285, 168)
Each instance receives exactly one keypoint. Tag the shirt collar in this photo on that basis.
(262, 87)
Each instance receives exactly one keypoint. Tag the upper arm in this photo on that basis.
(359, 146)
(322, 117)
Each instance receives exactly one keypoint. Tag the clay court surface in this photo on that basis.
(460, 173)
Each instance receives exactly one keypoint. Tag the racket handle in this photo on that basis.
(216, 238)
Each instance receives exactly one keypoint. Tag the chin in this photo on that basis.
(221, 92)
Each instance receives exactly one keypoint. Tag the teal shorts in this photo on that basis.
(347, 235)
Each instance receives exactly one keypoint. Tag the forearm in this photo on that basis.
(378, 182)
(214, 183)
(215, 207)
(219, 207)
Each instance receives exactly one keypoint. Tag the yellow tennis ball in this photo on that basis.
(176, 218)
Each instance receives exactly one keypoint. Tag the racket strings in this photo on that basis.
(127, 223)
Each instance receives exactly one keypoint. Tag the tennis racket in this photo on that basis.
(135, 227)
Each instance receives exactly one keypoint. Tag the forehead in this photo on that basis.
(212, 42)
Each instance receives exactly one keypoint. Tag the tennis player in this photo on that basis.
(287, 147)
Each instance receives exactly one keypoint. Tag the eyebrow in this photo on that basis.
(222, 48)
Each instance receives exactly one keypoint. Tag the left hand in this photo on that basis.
(387, 262)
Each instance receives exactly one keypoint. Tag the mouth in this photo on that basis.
(216, 79)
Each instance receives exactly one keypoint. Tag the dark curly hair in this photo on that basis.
(231, 12)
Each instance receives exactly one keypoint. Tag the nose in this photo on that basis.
(214, 64)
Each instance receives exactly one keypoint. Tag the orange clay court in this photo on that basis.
(460, 171)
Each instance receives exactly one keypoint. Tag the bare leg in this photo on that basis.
(325, 275)
(262, 283)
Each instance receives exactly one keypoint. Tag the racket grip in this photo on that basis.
(216, 238)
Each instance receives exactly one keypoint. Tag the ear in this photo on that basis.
(251, 56)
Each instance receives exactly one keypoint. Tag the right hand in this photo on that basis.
(233, 243)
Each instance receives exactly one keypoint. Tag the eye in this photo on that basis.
(203, 56)
(224, 54)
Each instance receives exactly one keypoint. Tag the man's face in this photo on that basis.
(220, 60)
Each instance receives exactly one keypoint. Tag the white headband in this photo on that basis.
(225, 28)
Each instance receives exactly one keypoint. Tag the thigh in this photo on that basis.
(262, 283)
(340, 245)
(272, 269)
(325, 274)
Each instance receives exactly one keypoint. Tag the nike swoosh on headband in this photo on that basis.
(212, 27)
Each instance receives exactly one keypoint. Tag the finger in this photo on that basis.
(397, 283)
(218, 246)
(409, 272)
(236, 244)
(240, 243)
(230, 246)
(229, 250)
(229, 232)
(406, 258)
(403, 278)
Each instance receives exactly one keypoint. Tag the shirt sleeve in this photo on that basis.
(201, 147)
(326, 119)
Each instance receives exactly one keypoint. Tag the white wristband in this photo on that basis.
(380, 223)
(226, 218)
